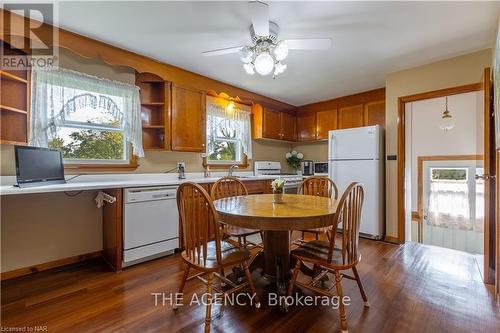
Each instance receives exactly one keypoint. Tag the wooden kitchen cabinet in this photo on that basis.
(351, 116)
(326, 121)
(288, 122)
(273, 124)
(374, 114)
(188, 119)
(306, 126)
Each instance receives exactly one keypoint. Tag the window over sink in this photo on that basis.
(229, 139)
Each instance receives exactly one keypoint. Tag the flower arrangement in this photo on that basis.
(293, 159)
(278, 185)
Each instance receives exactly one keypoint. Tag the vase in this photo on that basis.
(278, 196)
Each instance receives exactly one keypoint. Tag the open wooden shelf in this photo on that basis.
(9, 76)
(11, 109)
(14, 102)
(155, 108)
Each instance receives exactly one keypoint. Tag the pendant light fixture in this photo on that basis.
(446, 122)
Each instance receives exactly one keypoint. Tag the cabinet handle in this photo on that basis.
(203, 145)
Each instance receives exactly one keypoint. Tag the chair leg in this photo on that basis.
(183, 283)
(317, 235)
(296, 270)
(250, 283)
(303, 235)
(208, 315)
(360, 285)
(343, 319)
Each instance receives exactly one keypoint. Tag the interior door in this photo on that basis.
(486, 176)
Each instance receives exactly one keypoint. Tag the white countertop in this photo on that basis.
(105, 181)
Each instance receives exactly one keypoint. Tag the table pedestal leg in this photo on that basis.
(277, 261)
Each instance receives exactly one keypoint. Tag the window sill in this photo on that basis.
(132, 165)
(242, 164)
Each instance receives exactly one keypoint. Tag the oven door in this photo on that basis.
(291, 188)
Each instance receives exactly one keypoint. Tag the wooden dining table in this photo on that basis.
(276, 220)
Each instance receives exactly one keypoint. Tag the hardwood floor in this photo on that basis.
(411, 288)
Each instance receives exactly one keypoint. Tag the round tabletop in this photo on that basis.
(258, 211)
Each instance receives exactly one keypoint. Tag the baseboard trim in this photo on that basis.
(48, 265)
(391, 239)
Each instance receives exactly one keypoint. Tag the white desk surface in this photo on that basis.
(107, 181)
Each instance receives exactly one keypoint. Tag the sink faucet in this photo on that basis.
(231, 168)
(181, 172)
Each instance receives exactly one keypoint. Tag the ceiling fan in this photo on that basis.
(268, 52)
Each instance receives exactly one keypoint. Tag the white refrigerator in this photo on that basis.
(357, 155)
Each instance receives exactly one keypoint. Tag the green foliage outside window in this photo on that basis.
(91, 144)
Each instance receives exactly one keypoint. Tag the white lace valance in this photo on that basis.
(239, 119)
(56, 93)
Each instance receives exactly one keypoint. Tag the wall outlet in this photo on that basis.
(181, 165)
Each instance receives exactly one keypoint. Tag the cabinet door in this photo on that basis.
(306, 126)
(375, 113)
(327, 121)
(351, 116)
(188, 119)
(288, 126)
(271, 124)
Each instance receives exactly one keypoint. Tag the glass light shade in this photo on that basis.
(264, 63)
(246, 55)
(279, 68)
(446, 122)
(249, 69)
(281, 51)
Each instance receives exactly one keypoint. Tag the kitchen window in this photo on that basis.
(91, 121)
(229, 138)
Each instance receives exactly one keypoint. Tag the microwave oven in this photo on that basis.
(321, 168)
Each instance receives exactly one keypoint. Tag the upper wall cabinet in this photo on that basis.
(188, 119)
(273, 124)
(327, 121)
(351, 116)
(306, 126)
(155, 111)
(374, 114)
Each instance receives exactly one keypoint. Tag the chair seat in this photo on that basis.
(317, 251)
(230, 254)
(317, 230)
(235, 231)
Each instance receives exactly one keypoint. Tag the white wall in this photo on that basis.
(427, 139)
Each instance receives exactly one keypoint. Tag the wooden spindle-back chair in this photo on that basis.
(231, 187)
(332, 259)
(318, 186)
(204, 249)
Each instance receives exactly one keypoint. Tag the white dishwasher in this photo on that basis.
(151, 223)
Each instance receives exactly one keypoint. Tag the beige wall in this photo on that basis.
(462, 70)
(316, 151)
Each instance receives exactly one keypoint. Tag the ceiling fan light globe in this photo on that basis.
(249, 69)
(281, 51)
(264, 63)
(446, 123)
(279, 68)
(246, 55)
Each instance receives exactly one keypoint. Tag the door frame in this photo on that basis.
(401, 153)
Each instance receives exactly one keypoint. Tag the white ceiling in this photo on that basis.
(370, 39)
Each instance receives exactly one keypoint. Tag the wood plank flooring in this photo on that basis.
(411, 288)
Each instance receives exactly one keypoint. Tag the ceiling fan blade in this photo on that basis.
(309, 44)
(226, 50)
(259, 12)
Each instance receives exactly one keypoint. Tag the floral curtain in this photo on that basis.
(237, 119)
(54, 94)
(449, 205)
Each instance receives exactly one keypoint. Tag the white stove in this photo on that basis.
(272, 168)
